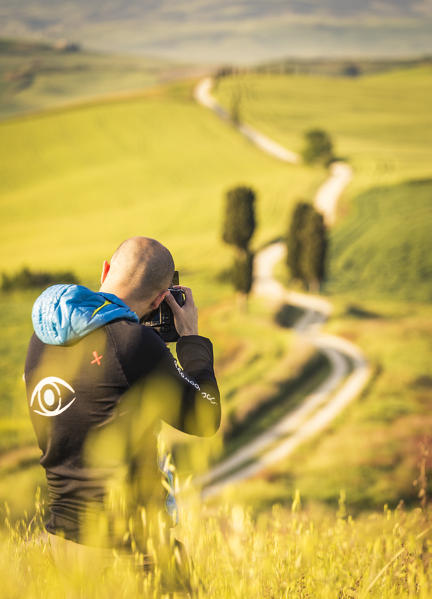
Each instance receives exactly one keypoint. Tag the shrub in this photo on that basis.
(318, 147)
(307, 246)
(26, 279)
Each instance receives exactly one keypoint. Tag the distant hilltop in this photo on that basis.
(26, 47)
(238, 31)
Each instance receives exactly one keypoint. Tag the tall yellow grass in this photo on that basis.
(285, 552)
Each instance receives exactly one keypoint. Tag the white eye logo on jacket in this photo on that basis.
(48, 397)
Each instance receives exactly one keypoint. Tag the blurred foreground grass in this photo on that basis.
(284, 553)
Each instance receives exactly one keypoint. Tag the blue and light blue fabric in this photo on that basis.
(64, 313)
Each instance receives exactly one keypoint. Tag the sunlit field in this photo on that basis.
(381, 123)
(346, 516)
(95, 174)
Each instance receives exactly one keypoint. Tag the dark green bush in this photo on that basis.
(239, 224)
(318, 147)
(27, 279)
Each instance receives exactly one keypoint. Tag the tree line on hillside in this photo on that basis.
(327, 67)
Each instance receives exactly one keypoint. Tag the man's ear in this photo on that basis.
(105, 269)
(159, 299)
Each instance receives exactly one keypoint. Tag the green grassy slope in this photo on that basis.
(384, 247)
(74, 182)
(381, 124)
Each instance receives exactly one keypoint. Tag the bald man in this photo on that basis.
(99, 384)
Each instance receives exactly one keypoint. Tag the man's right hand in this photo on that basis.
(186, 316)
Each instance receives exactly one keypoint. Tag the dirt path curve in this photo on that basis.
(349, 368)
(202, 94)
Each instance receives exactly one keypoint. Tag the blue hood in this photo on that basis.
(63, 313)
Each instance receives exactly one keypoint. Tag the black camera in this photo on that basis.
(162, 319)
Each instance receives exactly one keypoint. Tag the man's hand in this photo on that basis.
(186, 316)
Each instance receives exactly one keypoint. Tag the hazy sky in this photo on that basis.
(237, 30)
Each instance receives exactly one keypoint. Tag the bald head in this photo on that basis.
(141, 267)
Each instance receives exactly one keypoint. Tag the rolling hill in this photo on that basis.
(35, 76)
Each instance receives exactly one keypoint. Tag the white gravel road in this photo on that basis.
(349, 369)
(202, 95)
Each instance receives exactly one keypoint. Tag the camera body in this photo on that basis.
(162, 319)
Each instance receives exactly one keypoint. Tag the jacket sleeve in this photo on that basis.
(199, 410)
(184, 395)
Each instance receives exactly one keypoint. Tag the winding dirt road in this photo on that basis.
(349, 369)
(202, 94)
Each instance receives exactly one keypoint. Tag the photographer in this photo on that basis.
(99, 384)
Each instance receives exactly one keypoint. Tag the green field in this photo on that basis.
(381, 124)
(92, 175)
(384, 247)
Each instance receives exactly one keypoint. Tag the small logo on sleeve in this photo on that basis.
(49, 398)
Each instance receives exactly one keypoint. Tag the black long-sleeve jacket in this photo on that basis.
(96, 405)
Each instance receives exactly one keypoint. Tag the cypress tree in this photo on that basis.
(238, 227)
(318, 147)
(314, 251)
(295, 238)
(239, 224)
(307, 246)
